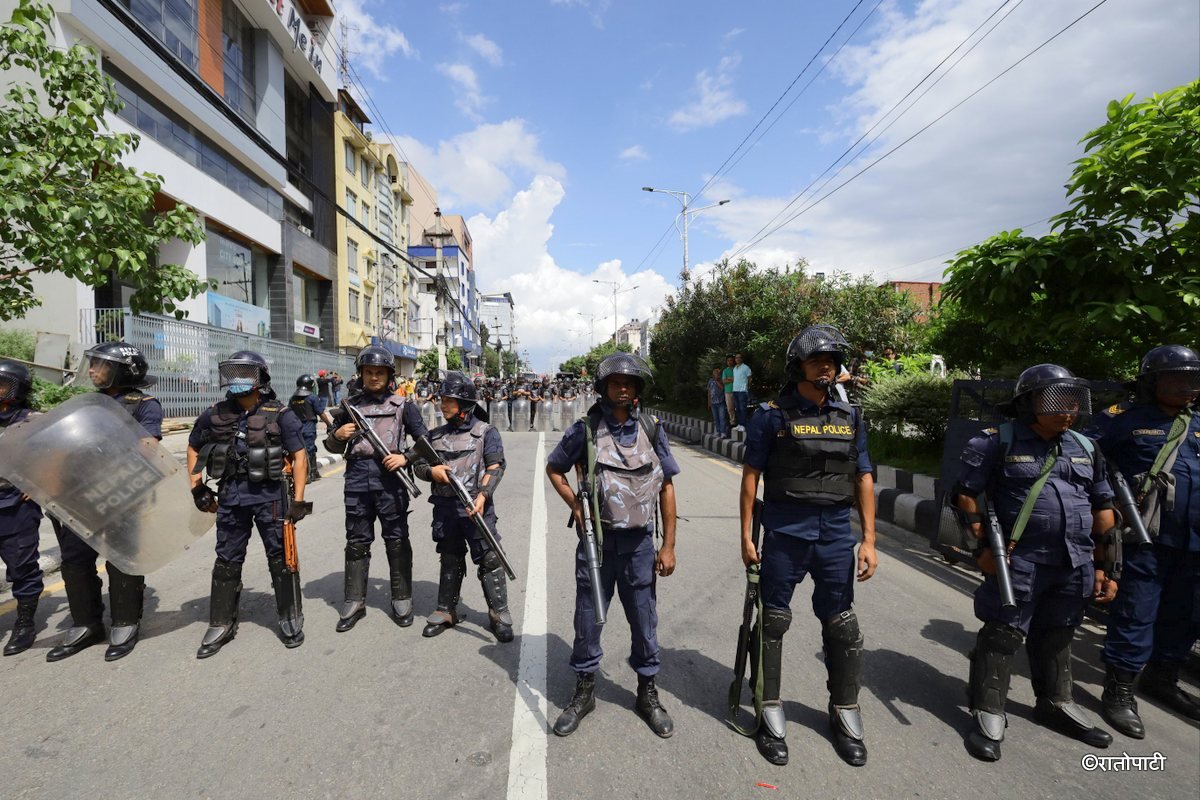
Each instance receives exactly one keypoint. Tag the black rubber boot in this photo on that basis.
(287, 602)
(1050, 673)
(400, 565)
(87, 610)
(24, 629)
(843, 642)
(987, 688)
(358, 564)
(222, 608)
(126, 594)
(450, 578)
(1160, 681)
(495, 592)
(1119, 704)
(772, 727)
(651, 710)
(583, 702)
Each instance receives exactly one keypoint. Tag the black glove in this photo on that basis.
(205, 498)
(298, 510)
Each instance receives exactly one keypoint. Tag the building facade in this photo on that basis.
(636, 334)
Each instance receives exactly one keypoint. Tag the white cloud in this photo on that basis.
(468, 96)
(997, 163)
(486, 48)
(595, 8)
(732, 34)
(512, 254)
(633, 153)
(473, 169)
(370, 43)
(713, 98)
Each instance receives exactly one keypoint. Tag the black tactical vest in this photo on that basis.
(386, 417)
(813, 459)
(263, 459)
(462, 451)
(303, 409)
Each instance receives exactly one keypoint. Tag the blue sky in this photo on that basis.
(540, 121)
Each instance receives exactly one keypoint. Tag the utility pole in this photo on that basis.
(591, 318)
(685, 215)
(616, 291)
(441, 290)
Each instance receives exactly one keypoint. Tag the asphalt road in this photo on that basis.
(381, 712)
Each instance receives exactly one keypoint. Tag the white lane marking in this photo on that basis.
(527, 759)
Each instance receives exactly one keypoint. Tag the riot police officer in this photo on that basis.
(242, 442)
(810, 451)
(372, 489)
(308, 408)
(1153, 623)
(474, 451)
(20, 517)
(119, 370)
(625, 455)
(1051, 496)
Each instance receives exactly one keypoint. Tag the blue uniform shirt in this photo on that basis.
(11, 497)
(802, 520)
(493, 450)
(1059, 531)
(368, 474)
(148, 413)
(1131, 435)
(241, 491)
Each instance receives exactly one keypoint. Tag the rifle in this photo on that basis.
(591, 549)
(753, 603)
(425, 450)
(291, 555)
(1131, 515)
(381, 450)
(995, 543)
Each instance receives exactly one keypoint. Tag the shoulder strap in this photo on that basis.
(1165, 460)
(1035, 492)
(1007, 434)
(649, 424)
(1087, 444)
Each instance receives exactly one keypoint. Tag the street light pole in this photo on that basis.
(686, 215)
(616, 291)
(591, 318)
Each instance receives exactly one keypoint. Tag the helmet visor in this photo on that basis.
(101, 369)
(1178, 383)
(8, 388)
(239, 377)
(1062, 398)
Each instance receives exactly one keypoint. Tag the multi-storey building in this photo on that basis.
(637, 335)
(232, 100)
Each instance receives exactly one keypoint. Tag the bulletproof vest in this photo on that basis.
(462, 451)
(814, 459)
(386, 417)
(9, 494)
(263, 457)
(302, 408)
(628, 478)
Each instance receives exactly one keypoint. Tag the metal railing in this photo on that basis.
(184, 355)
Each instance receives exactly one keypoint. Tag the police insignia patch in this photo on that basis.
(1019, 459)
(991, 431)
(1115, 408)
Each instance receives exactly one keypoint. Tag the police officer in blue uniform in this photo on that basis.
(372, 489)
(1155, 442)
(119, 370)
(473, 450)
(1050, 493)
(632, 476)
(308, 406)
(242, 442)
(810, 451)
(20, 517)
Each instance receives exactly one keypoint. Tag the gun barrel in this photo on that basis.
(592, 555)
(1000, 556)
(1131, 515)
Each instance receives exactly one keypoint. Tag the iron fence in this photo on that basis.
(184, 355)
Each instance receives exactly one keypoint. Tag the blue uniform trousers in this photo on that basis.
(362, 509)
(19, 549)
(454, 534)
(628, 567)
(234, 525)
(1047, 596)
(1156, 615)
(787, 560)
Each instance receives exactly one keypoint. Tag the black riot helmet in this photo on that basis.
(305, 385)
(1181, 362)
(376, 356)
(243, 372)
(1048, 389)
(460, 388)
(812, 341)
(622, 364)
(116, 365)
(16, 382)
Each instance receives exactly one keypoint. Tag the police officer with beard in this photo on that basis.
(1051, 496)
(372, 489)
(1153, 623)
(119, 370)
(473, 450)
(810, 451)
(242, 442)
(629, 462)
(20, 517)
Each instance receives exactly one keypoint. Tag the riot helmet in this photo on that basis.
(459, 388)
(812, 341)
(622, 364)
(16, 382)
(243, 372)
(1048, 390)
(116, 365)
(305, 385)
(1171, 369)
(376, 356)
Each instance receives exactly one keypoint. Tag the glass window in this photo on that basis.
(352, 256)
(365, 175)
(349, 156)
(351, 204)
(352, 301)
(365, 219)
(238, 39)
(240, 270)
(172, 22)
(368, 301)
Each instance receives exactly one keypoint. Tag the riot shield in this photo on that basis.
(429, 414)
(544, 414)
(568, 412)
(520, 415)
(500, 417)
(90, 465)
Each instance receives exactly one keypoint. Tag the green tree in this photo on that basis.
(1116, 275)
(491, 362)
(67, 203)
(591, 359)
(508, 363)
